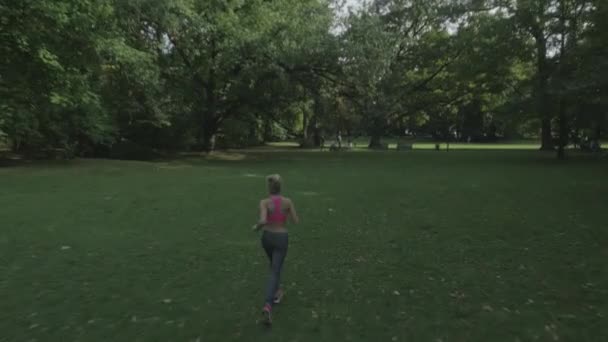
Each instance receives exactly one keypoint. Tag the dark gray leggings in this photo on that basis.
(275, 245)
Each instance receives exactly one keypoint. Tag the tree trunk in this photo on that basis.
(375, 141)
(542, 98)
(311, 134)
(563, 124)
(546, 136)
(311, 128)
(16, 145)
(267, 135)
(316, 134)
(563, 132)
(317, 137)
(253, 137)
(209, 141)
(305, 124)
(376, 132)
(210, 120)
(561, 153)
(207, 135)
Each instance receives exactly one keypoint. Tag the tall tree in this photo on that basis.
(224, 49)
(394, 51)
(49, 71)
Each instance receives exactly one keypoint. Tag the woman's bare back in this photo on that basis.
(267, 209)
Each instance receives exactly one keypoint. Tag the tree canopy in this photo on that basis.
(95, 77)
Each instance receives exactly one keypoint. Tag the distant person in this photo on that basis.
(274, 212)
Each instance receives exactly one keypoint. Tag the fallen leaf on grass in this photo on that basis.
(550, 329)
(457, 295)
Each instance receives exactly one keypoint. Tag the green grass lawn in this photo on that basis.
(416, 246)
(428, 146)
(362, 142)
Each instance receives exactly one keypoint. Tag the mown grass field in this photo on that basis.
(412, 246)
(361, 143)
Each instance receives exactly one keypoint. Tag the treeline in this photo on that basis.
(125, 78)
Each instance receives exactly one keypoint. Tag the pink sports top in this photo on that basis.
(275, 212)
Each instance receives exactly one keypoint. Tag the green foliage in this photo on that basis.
(190, 74)
(48, 72)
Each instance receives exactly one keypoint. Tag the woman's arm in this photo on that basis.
(263, 216)
(293, 213)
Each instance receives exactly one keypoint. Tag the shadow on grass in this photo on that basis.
(256, 156)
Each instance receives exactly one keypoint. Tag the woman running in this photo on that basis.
(274, 212)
